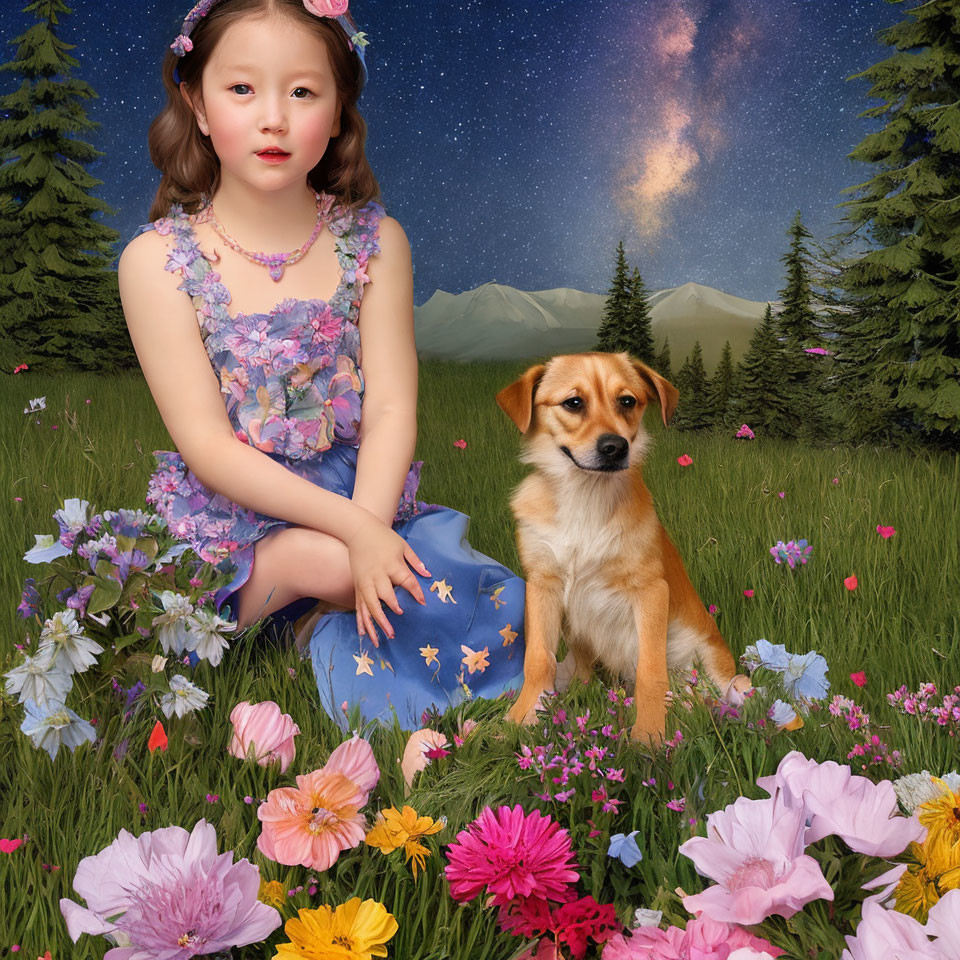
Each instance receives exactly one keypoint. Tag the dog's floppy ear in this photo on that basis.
(516, 401)
(659, 389)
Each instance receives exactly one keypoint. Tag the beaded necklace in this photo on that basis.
(276, 262)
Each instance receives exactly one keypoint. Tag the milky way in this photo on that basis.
(519, 141)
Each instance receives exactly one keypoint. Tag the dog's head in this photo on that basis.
(586, 408)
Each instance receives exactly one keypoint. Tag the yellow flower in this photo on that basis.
(935, 870)
(394, 828)
(271, 893)
(418, 852)
(354, 931)
(942, 814)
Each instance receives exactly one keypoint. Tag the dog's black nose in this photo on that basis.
(611, 446)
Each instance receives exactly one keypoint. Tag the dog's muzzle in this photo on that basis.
(611, 453)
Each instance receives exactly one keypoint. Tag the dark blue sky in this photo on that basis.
(519, 140)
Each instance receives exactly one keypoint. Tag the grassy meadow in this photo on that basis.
(901, 625)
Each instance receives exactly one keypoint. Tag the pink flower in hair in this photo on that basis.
(326, 8)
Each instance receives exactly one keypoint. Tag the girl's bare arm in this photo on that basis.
(166, 336)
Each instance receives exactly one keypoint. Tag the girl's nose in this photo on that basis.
(273, 115)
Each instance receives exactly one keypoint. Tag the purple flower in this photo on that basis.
(169, 894)
(29, 599)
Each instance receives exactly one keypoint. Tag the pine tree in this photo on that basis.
(662, 363)
(58, 296)
(694, 408)
(911, 285)
(762, 400)
(723, 389)
(638, 332)
(610, 333)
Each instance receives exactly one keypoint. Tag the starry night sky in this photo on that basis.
(519, 140)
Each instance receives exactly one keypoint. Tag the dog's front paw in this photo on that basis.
(527, 715)
(647, 734)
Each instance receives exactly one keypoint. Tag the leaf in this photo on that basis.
(149, 546)
(105, 595)
(122, 642)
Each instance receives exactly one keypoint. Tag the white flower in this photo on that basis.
(69, 647)
(917, 788)
(158, 663)
(643, 917)
(72, 515)
(205, 640)
(175, 551)
(105, 543)
(46, 548)
(183, 698)
(174, 631)
(37, 403)
(49, 727)
(38, 680)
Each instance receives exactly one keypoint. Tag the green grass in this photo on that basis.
(901, 625)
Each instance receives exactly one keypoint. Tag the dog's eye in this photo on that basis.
(572, 403)
(627, 402)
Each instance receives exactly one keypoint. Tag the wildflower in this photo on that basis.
(271, 893)
(355, 930)
(684, 460)
(311, 823)
(805, 676)
(677, 806)
(512, 854)
(754, 849)
(395, 829)
(942, 813)
(69, 649)
(891, 932)
(184, 697)
(462, 444)
(204, 637)
(745, 432)
(158, 738)
(917, 788)
(416, 753)
(172, 625)
(783, 715)
(643, 917)
(612, 805)
(859, 678)
(771, 656)
(850, 582)
(53, 724)
(169, 889)
(213, 798)
(262, 729)
(885, 532)
(624, 848)
(38, 679)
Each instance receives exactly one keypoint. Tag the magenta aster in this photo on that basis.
(512, 854)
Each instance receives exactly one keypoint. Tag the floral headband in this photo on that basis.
(334, 9)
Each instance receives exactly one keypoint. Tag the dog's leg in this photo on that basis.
(721, 668)
(541, 624)
(651, 603)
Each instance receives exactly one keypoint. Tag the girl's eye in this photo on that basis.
(305, 91)
(243, 85)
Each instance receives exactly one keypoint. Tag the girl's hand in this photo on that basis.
(378, 560)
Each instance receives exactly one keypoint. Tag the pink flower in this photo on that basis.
(311, 823)
(748, 593)
(163, 886)
(326, 8)
(886, 933)
(512, 854)
(571, 924)
(416, 754)
(943, 922)
(859, 678)
(745, 431)
(754, 849)
(850, 583)
(862, 813)
(885, 532)
(703, 939)
(712, 608)
(262, 727)
(462, 444)
(684, 460)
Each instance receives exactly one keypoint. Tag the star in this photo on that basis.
(363, 664)
(386, 665)
(508, 635)
(429, 655)
(475, 659)
(495, 597)
(443, 590)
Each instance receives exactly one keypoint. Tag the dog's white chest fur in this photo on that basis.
(584, 548)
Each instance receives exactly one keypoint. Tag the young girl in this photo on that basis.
(254, 361)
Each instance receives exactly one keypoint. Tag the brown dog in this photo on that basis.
(595, 556)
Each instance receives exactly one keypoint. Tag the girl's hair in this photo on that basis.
(185, 157)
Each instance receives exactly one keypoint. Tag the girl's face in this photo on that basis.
(267, 84)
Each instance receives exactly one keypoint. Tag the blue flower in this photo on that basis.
(53, 724)
(625, 848)
(805, 676)
(773, 656)
(782, 713)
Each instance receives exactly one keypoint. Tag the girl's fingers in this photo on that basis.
(413, 587)
(415, 561)
(378, 615)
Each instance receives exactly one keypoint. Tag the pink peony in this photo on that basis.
(326, 8)
(943, 922)
(754, 849)
(263, 727)
(166, 885)
(310, 824)
(885, 933)
(703, 939)
(862, 813)
(513, 854)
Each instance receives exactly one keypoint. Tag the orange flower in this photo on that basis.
(158, 738)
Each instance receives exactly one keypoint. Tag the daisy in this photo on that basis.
(69, 649)
(204, 635)
(184, 697)
(55, 724)
(173, 631)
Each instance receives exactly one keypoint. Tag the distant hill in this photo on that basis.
(499, 322)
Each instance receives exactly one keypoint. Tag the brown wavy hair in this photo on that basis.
(185, 157)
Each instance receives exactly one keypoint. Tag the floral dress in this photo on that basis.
(293, 388)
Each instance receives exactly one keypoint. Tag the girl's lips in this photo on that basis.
(272, 156)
